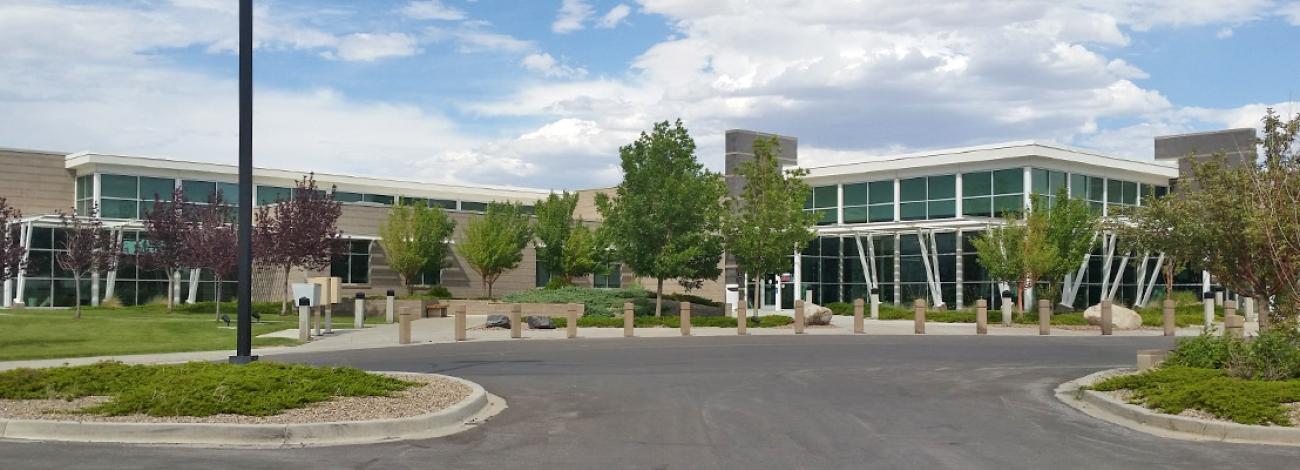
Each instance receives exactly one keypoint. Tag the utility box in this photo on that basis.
(732, 296)
(308, 290)
(330, 289)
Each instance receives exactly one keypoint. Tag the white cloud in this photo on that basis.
(369, 47)
(473, 39)
(547, 65)
(432, 10)
(572, 16)
(1291, 11)
(615, 16)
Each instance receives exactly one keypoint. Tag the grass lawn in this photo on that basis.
(1173, 389)
(55, 333)
(196, 388)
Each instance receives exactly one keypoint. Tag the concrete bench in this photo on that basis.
(436, 309)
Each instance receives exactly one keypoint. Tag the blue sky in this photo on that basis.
(541, 93)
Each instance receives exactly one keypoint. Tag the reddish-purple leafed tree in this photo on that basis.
(11, 251)
(162, 246)
(299, 232)
(211, 242)
(87, 248)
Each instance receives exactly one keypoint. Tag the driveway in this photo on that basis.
(780, 402)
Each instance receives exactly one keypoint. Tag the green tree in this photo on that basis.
(494, 243)
(665, 216)
(414, 239)
(581, 256)
(553, 227)
(1045, 245)
(1070, 226)
(1161, 225)
(766, 223)
(1000, 251)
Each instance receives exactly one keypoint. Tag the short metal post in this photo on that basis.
(629, 323)
(685, 308)
(858, 326)
(799, 317)
(875, 303)
(359, 311)
(918, 316)
(742, 320)
(1207, 298)
(329, 319)
(516, 328)
(1007, 305)
(304, 319)
(1107, 318)
(981, 317)
(1167, 315)
(390, 306)
(459, 321)
(571, 321)
(404, 328)
(1044, 317)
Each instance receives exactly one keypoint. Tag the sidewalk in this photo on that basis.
(439, 330)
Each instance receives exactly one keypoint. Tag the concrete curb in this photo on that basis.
(475, 409)
(1105, 407)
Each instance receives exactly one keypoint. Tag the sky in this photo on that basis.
(542, 93)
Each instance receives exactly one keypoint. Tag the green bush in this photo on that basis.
(597, 302)
(557, 282)
(841, 308)
(196, 388)
(439, 292)
(1175, 388)
(1273, 355)
(694, 299)
(673, 321)
(1206, 351)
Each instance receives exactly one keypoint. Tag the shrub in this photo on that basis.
(1175, 388)
(840, 308)
(597, 302)
(1273, 355)
(1206, 351)
(672, 321)
(557, 282)
(111, 302)
(439, 292)
(694, 299)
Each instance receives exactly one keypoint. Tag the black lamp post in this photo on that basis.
(244, 327)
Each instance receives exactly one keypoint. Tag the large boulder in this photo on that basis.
(816, 314)
(540, 322)
(498, 321)
(1120, 317)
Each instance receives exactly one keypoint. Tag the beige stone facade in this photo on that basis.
(36, 182)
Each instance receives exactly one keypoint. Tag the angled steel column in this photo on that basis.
(1155, 276)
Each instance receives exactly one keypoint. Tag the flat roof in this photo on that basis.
(168, 167)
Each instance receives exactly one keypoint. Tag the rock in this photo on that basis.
(498, 321)
(1120, 317)
(540, 322)
(816, 314)
(1058, 308)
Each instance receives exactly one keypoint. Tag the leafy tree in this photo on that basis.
(1276, 185)
(87, 248)
(415, 240)
(11, 251)
(1045, 245)
(553, 228)
(1161, 225)
(665, 217)
(1070, 225)
(162, 245)
(494, 243)
(581, 255)
(299, 232)
(212, 242)
(767, 222)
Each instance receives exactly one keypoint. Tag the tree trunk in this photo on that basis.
(76, 279)
(1264, 313)
(1020, 290)
(288, 292)
(488, 285)
(171, 288)
(758, 293)
(659, 296)
(218, 299)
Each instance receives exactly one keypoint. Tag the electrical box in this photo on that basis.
(330, 289)
(309, 290)
(732, 296)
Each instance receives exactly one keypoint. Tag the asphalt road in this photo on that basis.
(746, 403)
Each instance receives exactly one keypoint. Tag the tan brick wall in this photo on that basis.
(586, 209)
(36, 182)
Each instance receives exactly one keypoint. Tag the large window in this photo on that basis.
(131, 197)
(612, 278)
(429, 277)
(1088, 188)
(1048, 183)
(471, 206)
(1121, 192)
(85, 193)
(932, 197)
(992, 193)
(272, 194)
(354, 266)
(869, 202)
(825, 201)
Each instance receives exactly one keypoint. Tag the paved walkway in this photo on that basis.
(439, 330)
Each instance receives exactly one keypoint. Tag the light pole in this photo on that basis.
(244, 328)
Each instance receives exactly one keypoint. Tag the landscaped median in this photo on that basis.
(1223, 388)
(256, 405)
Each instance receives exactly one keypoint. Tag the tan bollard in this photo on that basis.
(799, 317)
(516, 325)
(1168, 317)
(1229, 307)
(918, 316)
(304, 319)
(404, 328)
(858, 327)
(981, 317)
(571, 322)
(742, 320)
(1044, 317)
(459, 312)
(315, 315)
(628, 322)
(1234, 326)
(686, 318)
(1107, 318)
